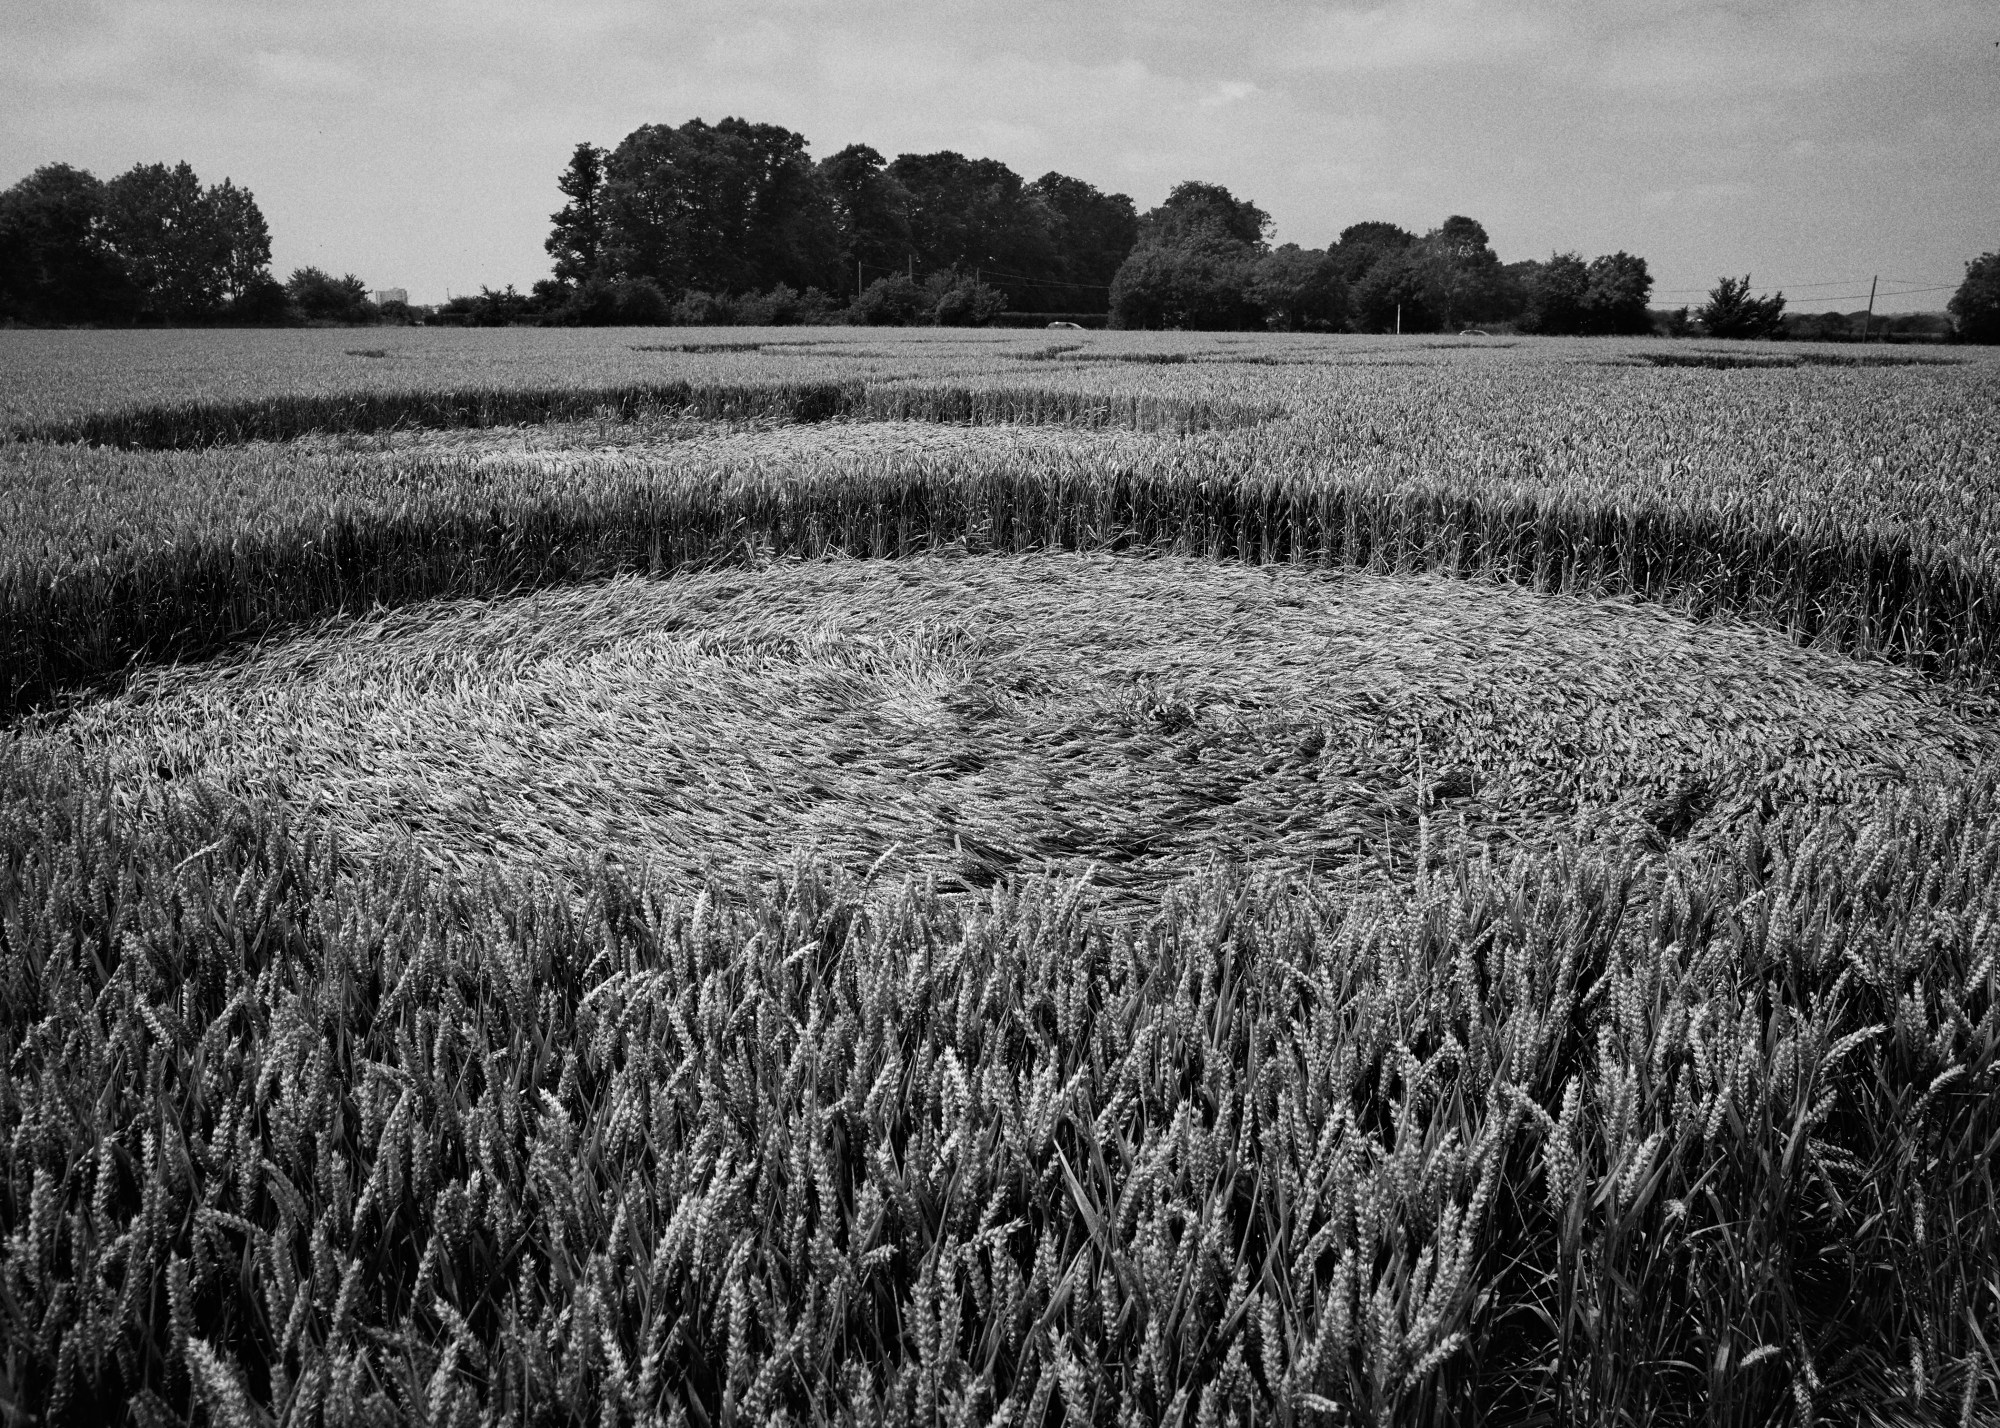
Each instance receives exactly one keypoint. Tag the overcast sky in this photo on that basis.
(416, 143)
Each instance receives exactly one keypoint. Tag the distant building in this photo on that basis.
(382, 296)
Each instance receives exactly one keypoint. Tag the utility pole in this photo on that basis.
(1399, 319)
(857, 277)
(1868, 318)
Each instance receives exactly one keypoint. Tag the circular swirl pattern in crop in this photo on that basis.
(969, 717)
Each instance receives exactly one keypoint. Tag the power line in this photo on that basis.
(984, 271)
(1904, 292)
(1802, 287)
(1044, 282)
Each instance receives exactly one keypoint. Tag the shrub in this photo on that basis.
(958, 301)
(894, 301)
(702, 309)
(1672, 322)
(264, 302)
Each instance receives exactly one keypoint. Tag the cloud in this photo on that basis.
(1695, 196)
(294, 71)
(1410, 34)
(1230, 91)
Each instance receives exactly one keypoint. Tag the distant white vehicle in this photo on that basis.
(1474, 332)
(1077, 326)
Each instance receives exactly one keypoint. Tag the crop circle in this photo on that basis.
(973, 717)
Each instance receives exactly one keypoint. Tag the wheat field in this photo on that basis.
(561, 877)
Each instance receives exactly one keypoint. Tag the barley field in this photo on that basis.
(824, 877)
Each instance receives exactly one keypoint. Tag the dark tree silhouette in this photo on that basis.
(1975, 307)
(975, 216)
(1615, 296)
(56, 265)
(1399, 288)
(1558, 293)
(1091, 233)
(321, 297)
(1732, 312)
(1196, 288)
(872, 212)
(1299, 290)
(1362, 245)
(189, 250)
(730, 207)
(576, 241)
(1206, 216)
(1464, 281)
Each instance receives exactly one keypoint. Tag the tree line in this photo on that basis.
(734, 222)
(152, 245)
(156, 246)
(707, 222)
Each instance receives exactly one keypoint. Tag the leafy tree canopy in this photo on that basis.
(1205, 216)
(189, 250)
(1362, 245)
(1567, 296)
(1616, 295)
(153, 242)
(1397, 291)
(55, 260)
(1090, 232)
(1975, 307)
(1556, 293)
(872, 210)
(736, 208)
(576, 241)
(1196, 288)
(1299, 290)
(321, 297)
(724, 207)
(1732, 312)
(1463, 278)
(974, 215)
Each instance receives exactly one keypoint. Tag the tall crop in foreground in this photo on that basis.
(1592, 1137)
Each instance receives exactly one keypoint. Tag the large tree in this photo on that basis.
(1975, 307)
(321, 297)
(730, 207)
(1616, 294)
(55, 263)
(1557, 295)
(1362, 245)
(188, 249)
(1398, 292)
(975, 216)
(1567, 296)
(1299, 290)
(1206, 216)
(1195, 288)
(576, 239)
(1732, 312)
(1195, 261)
(1464, 281)
(1091, 233)
(872, 211)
